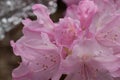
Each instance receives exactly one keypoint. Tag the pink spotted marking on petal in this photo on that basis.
(110, 34)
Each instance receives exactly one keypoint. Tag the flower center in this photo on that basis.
(86, 57)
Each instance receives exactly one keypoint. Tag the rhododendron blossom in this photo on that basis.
(84, 45)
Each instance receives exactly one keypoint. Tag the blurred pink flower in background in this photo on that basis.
(84, 45)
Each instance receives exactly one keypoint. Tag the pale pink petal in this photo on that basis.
(86, 11)
(109, 34)
(42, 24)
(116, 73)
(34, 29)
(22, 70)
(72, 11)
(66, 31)
(42, 14)
(105, 6)
(41, 55)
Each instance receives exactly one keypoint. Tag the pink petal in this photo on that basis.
(86, 11)
(22, 70)
(42, 14)
(66, 31)
(71, 12)
(41, 55)
(109, 35)
(90, 60)
(42, 24)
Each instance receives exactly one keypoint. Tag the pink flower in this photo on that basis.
(89, 61)
(84, 45)
(40, 58)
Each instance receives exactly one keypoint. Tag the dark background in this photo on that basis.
(8, 61)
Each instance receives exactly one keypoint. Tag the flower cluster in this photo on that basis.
(84, 45)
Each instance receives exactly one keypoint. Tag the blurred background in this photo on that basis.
(11, 14)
